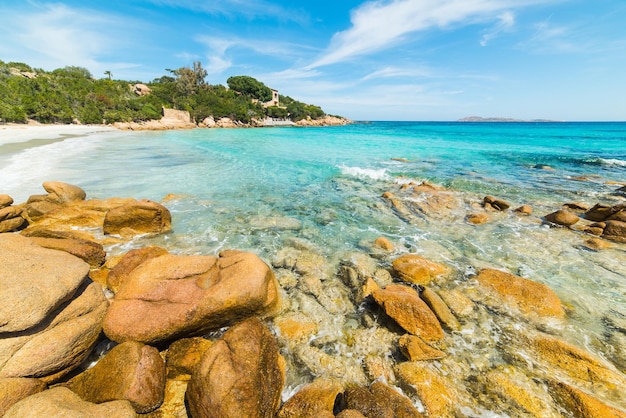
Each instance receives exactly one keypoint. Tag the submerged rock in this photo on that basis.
(313, 400)
(580, 404)
(434, 391)
(516, 393)
(524, 296)
(379, 400)
(574, 361)
(415, 349)
(172, 296)
(241, 375)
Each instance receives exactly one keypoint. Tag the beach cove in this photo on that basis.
(353, 219)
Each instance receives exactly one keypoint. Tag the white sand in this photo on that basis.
(12, 133)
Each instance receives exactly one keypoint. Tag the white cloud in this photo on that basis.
(55, 35)
(249, 8)
(218, 50)
(393, 72)
(377, 25)
(506, 23)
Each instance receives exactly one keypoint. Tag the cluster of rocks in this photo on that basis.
(220, 336)
(11, 218)
(418, 202)
(327, 120)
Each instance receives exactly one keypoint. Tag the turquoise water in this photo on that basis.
(264, 189)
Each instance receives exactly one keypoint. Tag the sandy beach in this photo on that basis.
(15, 133)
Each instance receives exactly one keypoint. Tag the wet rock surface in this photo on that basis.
(384, 331)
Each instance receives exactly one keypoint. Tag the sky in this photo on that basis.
(366, 60)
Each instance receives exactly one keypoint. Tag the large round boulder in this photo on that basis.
(242, 375)
(131, 371)
(34, 281)
(562, 217)
(171, 296)
(60, 343)
(59, 192)
(138, 217)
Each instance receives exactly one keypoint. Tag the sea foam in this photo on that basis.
(372, 173)
(24, 172)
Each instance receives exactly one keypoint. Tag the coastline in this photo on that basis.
(45, 133)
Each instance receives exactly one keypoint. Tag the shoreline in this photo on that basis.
(48, 133)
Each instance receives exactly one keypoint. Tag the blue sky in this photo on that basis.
(366, 60)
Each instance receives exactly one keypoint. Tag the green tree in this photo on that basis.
(250, 87)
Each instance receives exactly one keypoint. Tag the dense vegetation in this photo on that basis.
(71, 94)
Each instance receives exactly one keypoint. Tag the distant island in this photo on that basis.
(481, 119)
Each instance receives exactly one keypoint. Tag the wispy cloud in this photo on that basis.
(506, 23)
(377, 25)
(251, 9)
(218, 50)
(549, 37)
(395, 72)
(55, 35)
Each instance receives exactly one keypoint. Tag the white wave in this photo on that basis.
(372, 173)
(613, 161)
(24, 172)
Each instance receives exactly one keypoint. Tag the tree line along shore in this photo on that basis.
(72, 95)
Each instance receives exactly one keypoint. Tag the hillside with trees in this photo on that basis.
(72, 94)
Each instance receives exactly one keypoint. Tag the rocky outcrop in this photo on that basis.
(379, 400)
(42, 280)
(11, 217)
(404, 306)
(562, 217)
(522, 296)
(130, 371)
(495, 204)
(171, 296)
(62, 402)
(580, 404)
(13, 390)
(58, 344)
(241, 375)
(611, 230)
(90, 252)
(140, 89)
(434, 391)
(129, 262)
(313, 400)
(415, 269)
(415, 349)
(327, 120)
(138, 217)
(602, 212)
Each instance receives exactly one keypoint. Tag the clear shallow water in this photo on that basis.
(259, 189)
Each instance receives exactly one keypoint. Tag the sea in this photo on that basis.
(320, 190)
